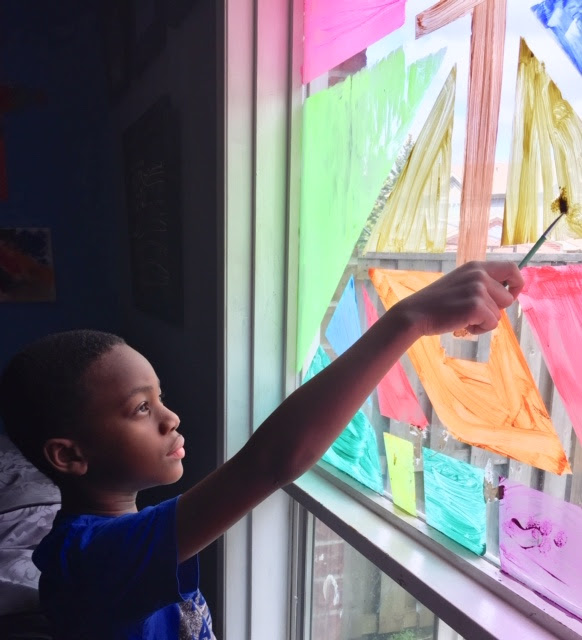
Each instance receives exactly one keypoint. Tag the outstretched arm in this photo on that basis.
(295, 436)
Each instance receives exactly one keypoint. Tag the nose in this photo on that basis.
(169, 421)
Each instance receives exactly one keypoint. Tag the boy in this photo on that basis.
(87, 410)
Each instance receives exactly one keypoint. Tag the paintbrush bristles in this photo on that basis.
(573, 212)
(562, 207)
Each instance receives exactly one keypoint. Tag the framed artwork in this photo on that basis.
(152, 179)
(147, 32)
(177, 10)
(26, 265)
(116, 30)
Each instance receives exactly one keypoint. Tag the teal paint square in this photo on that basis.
(454, 499)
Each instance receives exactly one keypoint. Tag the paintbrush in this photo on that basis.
(560, 205)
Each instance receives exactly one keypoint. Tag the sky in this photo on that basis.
(456, 38)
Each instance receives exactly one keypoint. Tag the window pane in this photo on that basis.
(353, 600)
(409, 109)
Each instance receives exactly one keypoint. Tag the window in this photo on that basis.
(265, 114)
(351, 599)
(411, 108)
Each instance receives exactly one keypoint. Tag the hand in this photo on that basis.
(470, 297)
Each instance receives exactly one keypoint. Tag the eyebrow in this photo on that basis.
(136, 390)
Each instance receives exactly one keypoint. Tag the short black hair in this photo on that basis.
(42, 392)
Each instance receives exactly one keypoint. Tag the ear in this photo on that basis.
(65, 456)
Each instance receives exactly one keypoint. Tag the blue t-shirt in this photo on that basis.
(119, 578)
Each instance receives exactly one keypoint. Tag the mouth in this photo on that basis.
(177, 451)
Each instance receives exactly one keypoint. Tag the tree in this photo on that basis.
(385, 191)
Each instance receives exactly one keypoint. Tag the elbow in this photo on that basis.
(280, 465)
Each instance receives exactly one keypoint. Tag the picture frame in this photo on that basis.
(147, 33)
(115, 27)
(153, 203)
(26, 265)
(176, 11)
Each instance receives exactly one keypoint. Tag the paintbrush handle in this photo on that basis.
(531, 253)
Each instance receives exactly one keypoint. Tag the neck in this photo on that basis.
(89, 500)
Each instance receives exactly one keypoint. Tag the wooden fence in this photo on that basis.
(566, 487)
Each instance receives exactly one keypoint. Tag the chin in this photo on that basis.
(163, 481)
(176, 475)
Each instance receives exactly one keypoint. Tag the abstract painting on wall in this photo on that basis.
(396, 397)
(454, 500)
(547, 136)
(26, 265)
(400, 464)
(539, 543)
(352, 133)
(355, 451)
(552, 303)
(494, 405)
(415, 215)
(335, 30)
(564, 18)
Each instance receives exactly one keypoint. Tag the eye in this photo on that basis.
(162, 396)
(144, 407)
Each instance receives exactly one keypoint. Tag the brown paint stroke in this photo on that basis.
(485, 76)
(494, 405)
(547, 139)
(441, 14)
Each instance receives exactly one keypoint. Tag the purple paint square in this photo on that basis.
(538, 544)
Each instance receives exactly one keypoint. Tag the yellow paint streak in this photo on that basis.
(415, 215)
(545, 155)
(494, 405)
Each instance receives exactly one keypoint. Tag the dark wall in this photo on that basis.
(184, 354)
(58, 165)
(66, 171)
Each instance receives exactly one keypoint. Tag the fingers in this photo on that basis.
(470, 296)
(493, 296)
(501, 296)
(506, 272)
(486, 316)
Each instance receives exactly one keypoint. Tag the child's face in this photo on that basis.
(131, 442)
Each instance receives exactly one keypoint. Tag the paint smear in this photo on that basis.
(355, 451)
(539, 544)
(454, 501)
(552, 303)
(400, 463)
(441, 14)
(352, 133)
(335, 30)
(494, 405)
(485, 76)
(415, 215)
(547, 138)
(344, 327)
(564, 18)
(396, 397)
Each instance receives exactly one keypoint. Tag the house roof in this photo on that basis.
(500, 173)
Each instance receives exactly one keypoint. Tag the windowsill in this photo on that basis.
(465, 591)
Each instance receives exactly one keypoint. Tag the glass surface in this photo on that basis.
(359, 607)
(353, 600)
